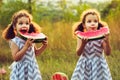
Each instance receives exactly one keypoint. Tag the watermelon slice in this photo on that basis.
(59, 76)
(93, 35)
(38, 37)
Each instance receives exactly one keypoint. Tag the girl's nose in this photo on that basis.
(24, 25)
(92, 23)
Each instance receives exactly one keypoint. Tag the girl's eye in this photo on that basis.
(89, 21)
(27, 23)
(20, 23)
(95, 21)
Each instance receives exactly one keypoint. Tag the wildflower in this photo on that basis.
(3, 71)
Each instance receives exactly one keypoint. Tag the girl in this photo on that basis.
(91, 65)
(25, 66)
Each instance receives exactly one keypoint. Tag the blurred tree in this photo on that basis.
(78, 9)
(30, 6)
(9, 8)
(110, 7)
(62, 4)
(0, 3)
(52, 11)
(112, 14)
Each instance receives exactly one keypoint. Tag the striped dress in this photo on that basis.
(92, 64)
(27, 68)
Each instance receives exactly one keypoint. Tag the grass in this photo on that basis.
(114, 64)
(60, 53)
(62, 62)
(66, 64)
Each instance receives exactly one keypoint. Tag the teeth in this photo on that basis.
(23, 28)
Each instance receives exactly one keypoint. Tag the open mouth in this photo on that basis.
(23, 30)
(93, 28)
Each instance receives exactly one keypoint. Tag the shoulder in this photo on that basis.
(16, 40)
(12, 44)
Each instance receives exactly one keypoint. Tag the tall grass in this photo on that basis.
(60, 54)
(114, 24)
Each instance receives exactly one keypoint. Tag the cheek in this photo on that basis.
(96, 24)
(17, 27)
(17, 30)
(28, 26)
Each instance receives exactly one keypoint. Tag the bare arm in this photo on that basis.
(18, 54)
(42, 48)
(80, 46)
(106, 45)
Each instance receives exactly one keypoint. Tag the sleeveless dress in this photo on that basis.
(26, 68)
(92, 65)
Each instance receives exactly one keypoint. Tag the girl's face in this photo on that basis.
(23, 24)
(91, 22)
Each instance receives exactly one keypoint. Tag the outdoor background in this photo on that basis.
(56, 18)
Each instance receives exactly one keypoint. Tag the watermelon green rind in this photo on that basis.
(97, 38)
(39, 40)
(93, 35)
(36, 40)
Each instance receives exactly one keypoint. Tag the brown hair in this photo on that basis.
(79, 25)
(9, 32)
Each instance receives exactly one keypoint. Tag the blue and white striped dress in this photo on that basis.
(27, 68)
(92, 65)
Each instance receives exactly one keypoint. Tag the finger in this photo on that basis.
(44, 42)
(28, 39)
(46, 38)
(107, 34)
(85, 38)
(32, 40)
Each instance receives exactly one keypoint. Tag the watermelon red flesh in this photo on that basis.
(34, 35)
(91, 35)
(38, 37)
(59, 76)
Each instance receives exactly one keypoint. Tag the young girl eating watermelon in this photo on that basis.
(92, 64)
(25, 66)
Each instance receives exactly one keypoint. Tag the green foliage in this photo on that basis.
(113, 21)
(110, 8)
(79, 9)
(8, 9)
(73, 13)
(41, 12)
(50, 15)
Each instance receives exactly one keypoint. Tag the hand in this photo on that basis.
(84, 40)
(45, 42)
(106, 39)
(29, 42)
